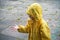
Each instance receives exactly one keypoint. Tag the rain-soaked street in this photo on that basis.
(14, 12)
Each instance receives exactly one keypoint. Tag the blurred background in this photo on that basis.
(14, 12)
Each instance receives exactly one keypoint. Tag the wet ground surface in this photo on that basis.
(14, 12)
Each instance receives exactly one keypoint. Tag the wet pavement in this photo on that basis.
(14, 12)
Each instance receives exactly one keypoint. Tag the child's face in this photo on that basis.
(31, 17)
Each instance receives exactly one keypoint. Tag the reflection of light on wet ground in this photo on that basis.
(13, 12)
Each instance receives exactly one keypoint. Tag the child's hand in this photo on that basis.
(14, 27)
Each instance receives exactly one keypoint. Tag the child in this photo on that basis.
(36, 26)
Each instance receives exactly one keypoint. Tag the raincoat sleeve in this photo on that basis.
(45, 32)
(25, 29)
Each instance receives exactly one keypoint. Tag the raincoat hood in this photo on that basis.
(35, 10)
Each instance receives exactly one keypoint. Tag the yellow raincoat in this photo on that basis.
(36, 26)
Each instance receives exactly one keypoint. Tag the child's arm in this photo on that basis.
(25, 29)
(45, 32)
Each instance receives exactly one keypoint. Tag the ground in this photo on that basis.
(14, 12)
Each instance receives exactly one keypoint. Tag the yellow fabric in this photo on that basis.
(35, 10)
(38, 28)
